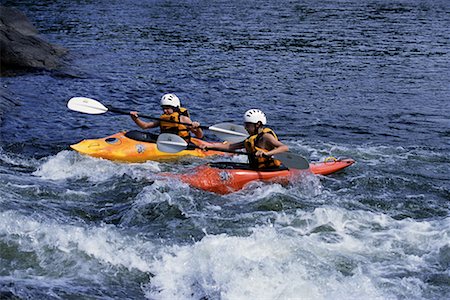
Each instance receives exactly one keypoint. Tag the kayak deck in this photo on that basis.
(135, 147)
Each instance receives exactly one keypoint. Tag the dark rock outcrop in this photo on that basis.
(22, 50)
(21, 47)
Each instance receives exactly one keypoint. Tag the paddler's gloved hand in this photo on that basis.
(195, 125)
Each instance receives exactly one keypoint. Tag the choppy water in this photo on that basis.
(361, 79)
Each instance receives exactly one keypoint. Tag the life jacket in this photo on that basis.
(174, 128)
(251, 148)
(184, 112)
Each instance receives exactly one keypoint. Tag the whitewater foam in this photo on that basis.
(328, 253)
(46, 239)
(70, 165)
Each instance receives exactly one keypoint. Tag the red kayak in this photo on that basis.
(229, 177)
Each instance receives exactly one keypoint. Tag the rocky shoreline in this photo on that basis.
(23, 51)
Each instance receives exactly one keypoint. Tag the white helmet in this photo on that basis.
(255, 116)
(170, 100)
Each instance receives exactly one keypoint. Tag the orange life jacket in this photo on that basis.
(174, 128)
(251, 148)
(184, 112)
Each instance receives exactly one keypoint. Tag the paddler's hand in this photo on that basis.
(261, 153)
(195, 125)
(203, 147)
(134, 115)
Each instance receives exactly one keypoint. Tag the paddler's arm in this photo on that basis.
(194, 128)
(278, 147)
(144, 125)
(223, 146)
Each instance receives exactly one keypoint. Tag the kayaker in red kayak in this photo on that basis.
(172, 111)
(262, 143)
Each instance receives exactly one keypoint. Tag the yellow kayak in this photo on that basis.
(134, 147)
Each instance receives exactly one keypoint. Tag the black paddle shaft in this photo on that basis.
(229, 151)
(226, 151)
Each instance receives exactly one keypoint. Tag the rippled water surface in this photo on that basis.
(362, 79)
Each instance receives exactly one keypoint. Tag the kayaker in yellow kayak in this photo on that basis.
(262, 143)
(172, 111)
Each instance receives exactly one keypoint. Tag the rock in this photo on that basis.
(22, 50)
(13, 18)
(21, 47)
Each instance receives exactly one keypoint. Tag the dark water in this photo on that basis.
(361, 79)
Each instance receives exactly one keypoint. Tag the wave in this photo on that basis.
(323, 254)
(70, 165)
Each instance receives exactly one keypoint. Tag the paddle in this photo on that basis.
(172, 143)
(226, 131)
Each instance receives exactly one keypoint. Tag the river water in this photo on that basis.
(362, 79)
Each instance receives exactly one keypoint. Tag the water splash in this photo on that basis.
(70, 165)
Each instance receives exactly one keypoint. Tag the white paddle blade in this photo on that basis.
(292, 161)
(229, 132)
(86, 105)
(170, 143)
